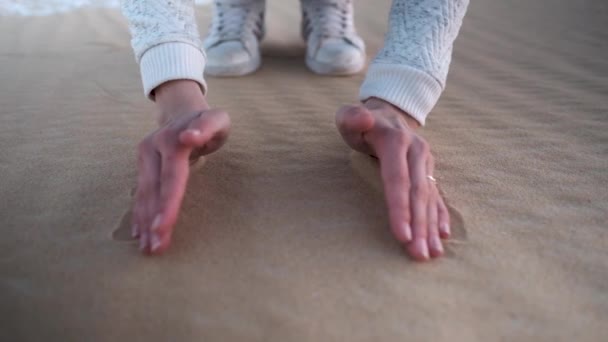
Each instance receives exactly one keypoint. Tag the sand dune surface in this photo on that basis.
(283, 234)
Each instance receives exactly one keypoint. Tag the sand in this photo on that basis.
(283, 235)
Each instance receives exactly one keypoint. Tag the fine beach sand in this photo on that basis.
(283, 234)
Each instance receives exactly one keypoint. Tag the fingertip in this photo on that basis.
(356, 118)
(155, 243)
(444, 230)
(194, 132)
(190, 136)
(403, 232)
(161, 231)
(160, 243)
(134, 231)
(363, 120)
(436, 247)
(418, 249)
(164, 221)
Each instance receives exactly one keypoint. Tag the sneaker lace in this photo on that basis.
(330, 19)
(232, 21)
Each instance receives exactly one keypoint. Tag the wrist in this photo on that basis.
(179, 97)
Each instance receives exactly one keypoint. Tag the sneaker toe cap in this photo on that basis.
(339, 53)
(227, 53)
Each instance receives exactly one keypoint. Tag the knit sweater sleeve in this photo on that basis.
(165, 40)
(410, 70)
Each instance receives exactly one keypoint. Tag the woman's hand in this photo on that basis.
(188, 129)
(417, 213)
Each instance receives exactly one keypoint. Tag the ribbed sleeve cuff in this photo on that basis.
(171, 61)
(412, 90)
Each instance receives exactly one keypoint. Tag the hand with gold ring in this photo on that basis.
(418, 215)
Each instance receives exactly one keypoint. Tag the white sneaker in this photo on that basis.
(233, 42)
(333, 45)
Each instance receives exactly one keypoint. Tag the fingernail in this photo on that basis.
(156, 222)
(155, 242)
(194, 132)
(446, 228)
(437, 245)
(408, 232)
(423, 248)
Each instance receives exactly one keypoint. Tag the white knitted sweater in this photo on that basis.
(410, 71)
